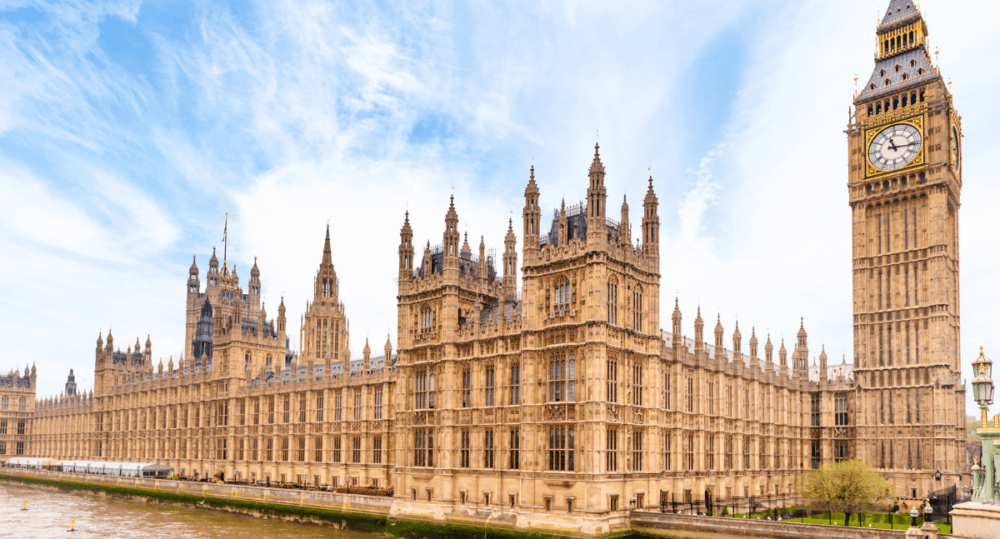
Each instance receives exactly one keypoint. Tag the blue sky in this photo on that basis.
(122, 123)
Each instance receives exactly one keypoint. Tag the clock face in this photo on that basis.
(894, 147)
(956, 153)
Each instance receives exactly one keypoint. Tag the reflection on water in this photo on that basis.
(50, 511)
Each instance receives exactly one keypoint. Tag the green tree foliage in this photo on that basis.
(846, 486)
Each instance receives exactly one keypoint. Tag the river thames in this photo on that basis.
(50, 511)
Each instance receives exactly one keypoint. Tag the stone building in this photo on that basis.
(17, 408)
(561, 400)
(904, 187)
(324, 420)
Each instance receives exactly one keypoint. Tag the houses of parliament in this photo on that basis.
(563, 398)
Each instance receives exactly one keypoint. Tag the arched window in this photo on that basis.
(613, 301)
(267, 362)
(562, 293)
(887, 82)
(895, 103)
(246, 362)
(562, 378)
(913, 63)
(426, 319)
(878, 106)
(881, 73)
(921, 96)
(637, 309)
(871, 111)
(905, 76)
(897, 68)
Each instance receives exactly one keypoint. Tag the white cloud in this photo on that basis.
(302, 112)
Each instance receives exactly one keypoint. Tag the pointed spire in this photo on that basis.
(194, 266)
(327, 253)
(596, 165)
(254, 271)
(213, 263)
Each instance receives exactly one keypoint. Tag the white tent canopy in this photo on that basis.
(125, 469)
(35, 463)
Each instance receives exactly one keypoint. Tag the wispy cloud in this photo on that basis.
(303, 112)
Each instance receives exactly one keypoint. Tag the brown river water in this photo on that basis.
(50, 511)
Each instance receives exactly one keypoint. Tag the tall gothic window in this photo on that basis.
(515, 383)
(611, 455)
(490, 383)
(562, 376)
(709, 452)
(424, 394)
(338, 407)
(465, 451)
(426, 320)
(613, 302)
(488, 448)
(637, 450)
(690, 453)
(637, 385)
(666, 391)
(612, 381)
(729, 453)
(423, 448)
(746, 452)
(840, 417)
(637, 309)
(357, 405)
(562, 295)
(711, 398)
(561, 447)
(466, 387)
(378, 404)
(515, 449)
(666, 451)
(690, 395)
(815, 410)
(319, 409)
(376, 449)
(891, 421)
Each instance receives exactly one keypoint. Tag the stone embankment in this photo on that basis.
(372, 513)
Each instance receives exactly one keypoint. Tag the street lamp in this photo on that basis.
(913, 517)
(927, 512)
(982, 384)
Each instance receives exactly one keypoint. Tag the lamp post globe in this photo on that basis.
(913, 517)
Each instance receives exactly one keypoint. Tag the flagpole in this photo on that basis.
(225, 245)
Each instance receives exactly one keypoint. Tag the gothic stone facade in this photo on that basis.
(904, 187)
(561, 400)
(17, 408)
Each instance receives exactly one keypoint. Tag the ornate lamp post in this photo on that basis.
(982, 391)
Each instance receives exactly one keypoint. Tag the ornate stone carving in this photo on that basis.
(613, 412)
(556, 412)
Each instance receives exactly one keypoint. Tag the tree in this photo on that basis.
(845, 486)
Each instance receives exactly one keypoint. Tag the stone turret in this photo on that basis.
(650, 223)
(597, 197)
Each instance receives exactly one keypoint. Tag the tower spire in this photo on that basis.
(327, 253)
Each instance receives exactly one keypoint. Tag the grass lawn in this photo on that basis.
(883, 521)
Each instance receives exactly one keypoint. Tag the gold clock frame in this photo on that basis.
(917, 121)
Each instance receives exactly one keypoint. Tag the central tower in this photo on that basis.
(904, 187)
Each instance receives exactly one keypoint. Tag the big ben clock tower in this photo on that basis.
(904, 186)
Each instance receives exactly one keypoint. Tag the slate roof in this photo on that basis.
(896, 80)
(899, 11)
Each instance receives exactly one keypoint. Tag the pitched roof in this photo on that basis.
(899, 11)
(907, 75)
